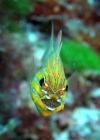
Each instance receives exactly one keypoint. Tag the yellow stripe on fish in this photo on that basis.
(36, 88)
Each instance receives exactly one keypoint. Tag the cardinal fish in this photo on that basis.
(48, 87)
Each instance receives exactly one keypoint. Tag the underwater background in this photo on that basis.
(25, 30)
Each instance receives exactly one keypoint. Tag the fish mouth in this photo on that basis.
(51, 104)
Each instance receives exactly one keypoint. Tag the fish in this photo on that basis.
(49, 85)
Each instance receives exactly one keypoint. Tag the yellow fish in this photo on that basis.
(48, 87)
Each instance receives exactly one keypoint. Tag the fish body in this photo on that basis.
(48, 87)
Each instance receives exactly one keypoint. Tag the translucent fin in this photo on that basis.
(50, 49)
(52, 36)
(59, 43)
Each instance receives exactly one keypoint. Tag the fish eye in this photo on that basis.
(44, 85)
(41, 82)
(66, 89)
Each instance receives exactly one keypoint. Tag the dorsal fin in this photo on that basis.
(50, 49)
(58, 44)
(52, 36)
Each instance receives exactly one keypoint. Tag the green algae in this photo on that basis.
(79, 56)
